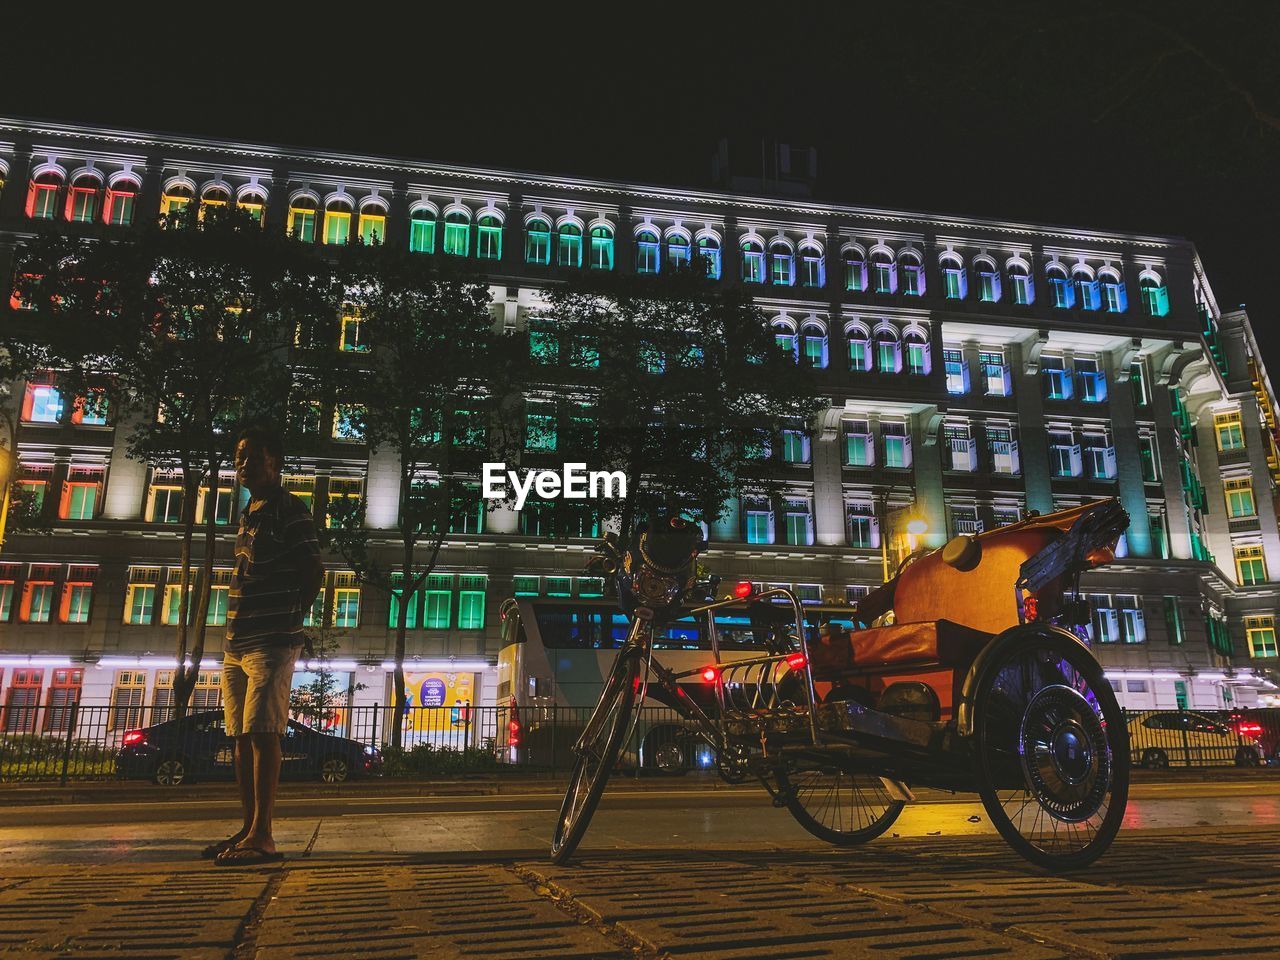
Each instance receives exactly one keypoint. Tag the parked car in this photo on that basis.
(1263, 727)
(198, 748)
(1163, 738)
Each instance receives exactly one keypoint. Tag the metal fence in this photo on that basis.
(76, 742)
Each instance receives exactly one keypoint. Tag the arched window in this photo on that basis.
(988, 280)
(647, 252)
(752, 261)
(175, 198)
(919, 356)
(813, 268)
(1088, 296)
(884, 272)
(42, 196)
(709, 252)
(82, 199)
(912, 274)
(1155, 295)
(216, 195)
(252, 203)
(678, 251)
(859, 348)
(784, 335)
(782, 264)
(955, 282)
(813, 346)
(888, 352)
(489, 237)
(457, 233)
(569, 245)
(601, 247)
(1024, 291)
(1115, 299)
(537, 242)
(337, 221)
(373, 223)
(302, 218)
(855, 268)
(422, 229)
(121, 195)
(1064, 294)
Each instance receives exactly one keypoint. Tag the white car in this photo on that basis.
(1163, 738)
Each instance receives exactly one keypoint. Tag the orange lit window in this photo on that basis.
(82, 201)
(42, 197)
(118, 210)
(37, 594)
(63, 692)
(22, 701)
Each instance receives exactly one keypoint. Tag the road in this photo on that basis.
(679, 871)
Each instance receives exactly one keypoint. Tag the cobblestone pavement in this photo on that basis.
(1153, 896)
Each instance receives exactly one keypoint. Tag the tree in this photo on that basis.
(677, 382)
(428, 383)
(319, 700)
(182, 331)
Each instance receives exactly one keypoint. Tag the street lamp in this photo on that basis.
(916, 528)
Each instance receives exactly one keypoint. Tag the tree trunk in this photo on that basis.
(183, 681)
(206, 576)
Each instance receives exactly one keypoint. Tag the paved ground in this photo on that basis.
(679, 873)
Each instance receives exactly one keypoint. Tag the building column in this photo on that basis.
(933, 287)
(125, 495)
(730, 254)
(624, 257)
(382, 490)
(926, 457)
(398, 217)
(1033, 440)
(149, 196)
(513, 242)
(1256, 443)
(828, 480)
(58, 479)
(1124, 434)
(14, 200)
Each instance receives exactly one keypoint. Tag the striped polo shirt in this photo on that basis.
(264, 605)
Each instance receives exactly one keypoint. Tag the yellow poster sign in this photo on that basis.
(439, 701)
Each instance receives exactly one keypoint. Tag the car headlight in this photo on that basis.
(370, 752)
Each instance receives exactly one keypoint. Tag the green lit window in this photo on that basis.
(795, 446)
(457, 234)
(540, 428)
(411, 608)
(759, 526)
(591, 586)
(1173, 620)
(543, 346)
(601, 248)
(1155, 298)
(217, 614)
(647, 252)
(799, 523)
(1260, 633)
(814, 352)
(709, 251)
(346, 607)
(1148, 457)
(1229, 430)
(1250, 565)
(471, 590)
(782, 265)
(889, 356)
(80, 500)
(76, 600)
(82, 204)
(537, 242)
(859, 355)
(422, 232)
(489, 238)
(119, 212)
(752, 262)
(569, 245)
(559, 586)
(469, 429)
(678, 251)
(525, 586)
(439, 598)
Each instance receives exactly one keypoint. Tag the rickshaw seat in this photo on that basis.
(941, 641)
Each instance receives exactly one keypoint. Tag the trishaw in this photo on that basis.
(968, 671)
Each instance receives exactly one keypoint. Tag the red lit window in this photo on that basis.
(118, 210)
(63, 691)
(22, 702)
(82, 201)
(8, 577)
(42, 197)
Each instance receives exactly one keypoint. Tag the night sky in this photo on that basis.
(1143, 116)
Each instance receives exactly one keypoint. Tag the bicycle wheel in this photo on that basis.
(597, 752)
(1051, 750)
(836, 803)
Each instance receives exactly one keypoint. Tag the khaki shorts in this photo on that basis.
(255, 690)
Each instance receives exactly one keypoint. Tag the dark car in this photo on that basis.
(198, 748)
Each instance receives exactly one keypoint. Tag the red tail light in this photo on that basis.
(710, 674)
(513, 728)
(744, 589)
(1030, 608)
(134, 737)
(796, 661)
(1247, 728)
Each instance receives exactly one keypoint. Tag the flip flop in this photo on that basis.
(246, 857)
(212, 850)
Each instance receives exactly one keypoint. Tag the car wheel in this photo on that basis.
(1155, 759)
(664, 753)
(171, 772)
(1248, 757)
(335, 770)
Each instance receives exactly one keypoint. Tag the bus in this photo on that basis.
(556, 654)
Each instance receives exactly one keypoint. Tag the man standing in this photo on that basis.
(278, 573)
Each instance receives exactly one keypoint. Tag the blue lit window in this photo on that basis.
(759, 524)
(1020, 280)
(813, 271)
(1115, 299)
(786, 341)
(782, 264)
(1057, 379)
(752, 262)
(678, 251)
(709, 251)
(648, 252)
(1093, 382)
(1064, 292)
(1088, 294)
(957, 372)
(1155, 297)
(955, 282)
(814, 347)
